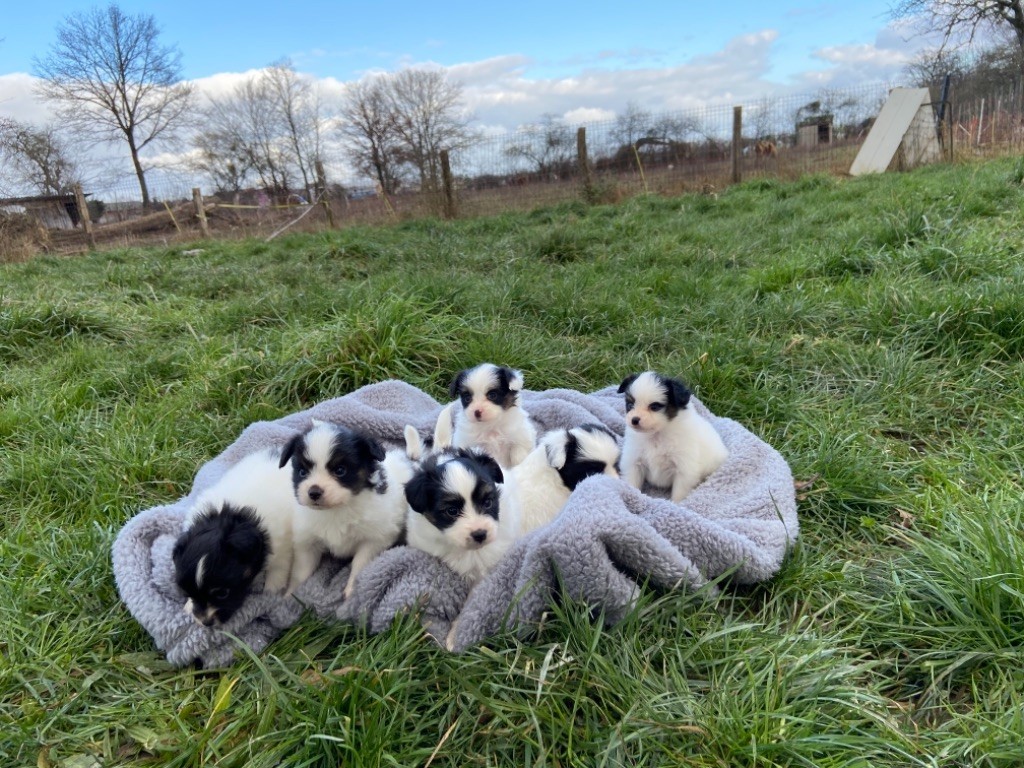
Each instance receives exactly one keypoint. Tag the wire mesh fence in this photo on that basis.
(552, 161)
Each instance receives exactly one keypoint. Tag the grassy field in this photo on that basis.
(871, 329)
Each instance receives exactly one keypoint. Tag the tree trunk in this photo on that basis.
(139, 173)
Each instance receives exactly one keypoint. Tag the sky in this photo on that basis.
(580, 61)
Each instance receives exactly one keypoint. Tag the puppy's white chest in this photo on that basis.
(659, 466)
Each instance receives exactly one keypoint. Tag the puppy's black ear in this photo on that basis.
(626, 382)
(290, 449)
(370, 448)
(249, 543)
(416, 492)
(593, 427)
(179, 548)
(490, 466)
(678, 394)
(509, 379)
(456, 385)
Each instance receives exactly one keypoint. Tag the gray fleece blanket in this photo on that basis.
(608, 540)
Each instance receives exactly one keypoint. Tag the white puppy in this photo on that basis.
(237, 529)
(540, 486)
(667, 443)
(457, 512)
(488, 415)
(351, 498)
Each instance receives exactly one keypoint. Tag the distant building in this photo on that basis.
(52, 211)
(814, 130)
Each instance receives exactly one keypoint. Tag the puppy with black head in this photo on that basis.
(488, 415)
(457, 513)
(667, 443)
(238, 530)
(351, 498)
(541, 485)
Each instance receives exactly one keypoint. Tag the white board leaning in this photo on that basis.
(904, 129)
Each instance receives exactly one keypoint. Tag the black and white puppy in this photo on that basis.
(667, 443)
(457, 513)
(488, 414)
(238, 529)
(351, 497)
(540, 486)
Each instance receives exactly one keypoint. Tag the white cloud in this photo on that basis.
(18, 101)
(588, 115)
(895, 46)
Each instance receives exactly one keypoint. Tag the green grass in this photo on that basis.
(871, 329)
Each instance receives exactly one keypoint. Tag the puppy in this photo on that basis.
(350, 494)
(456, 511)
(667, 443)
(237, 529)
(540, 486)
(488, 415)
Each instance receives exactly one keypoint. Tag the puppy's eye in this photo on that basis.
(451, 511)
(630, 402)
(220, 593)
(487, 503)
(655, 407)
(302, 472)
(466, 397)
(340, 471)
(494, 395)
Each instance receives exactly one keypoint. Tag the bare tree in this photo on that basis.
(428, 117)
(368, 128)
(298, 106)
(244, 137)
(110, 77)
(270, 127)
(224, 158)
(958, 20)
(38, 157)
(929, 67)
(635, 123)
(549, 145)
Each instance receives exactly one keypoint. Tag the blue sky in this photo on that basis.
(342, 40)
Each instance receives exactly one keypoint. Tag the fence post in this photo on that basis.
(448, 184)
(83, 214)
(321, 184)
(737, 144)
(197, 202)
(583, 161)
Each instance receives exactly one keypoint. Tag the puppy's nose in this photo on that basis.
(479, 536)
(207, 621)
(315, 492)
(477, 414)
(636, 421)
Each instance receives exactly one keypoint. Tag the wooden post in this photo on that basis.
(83, 214)
(197, 202)
(737, 145)
(581, 156)
(170, 213)
(448, 184)
(321, 185)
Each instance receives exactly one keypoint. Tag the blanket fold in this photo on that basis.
(608, 539)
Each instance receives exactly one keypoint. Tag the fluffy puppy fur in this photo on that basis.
(350, 494)
(237, 529)
(488, 414)
(540, 486)
(457, 512)
(667, 443)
